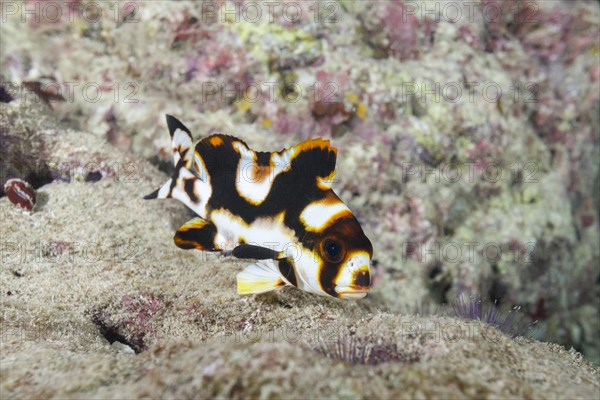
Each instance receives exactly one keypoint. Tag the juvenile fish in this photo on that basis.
(277, 208)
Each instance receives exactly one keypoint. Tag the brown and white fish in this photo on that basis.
(276, 207)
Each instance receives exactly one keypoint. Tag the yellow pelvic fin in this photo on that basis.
(259, 277)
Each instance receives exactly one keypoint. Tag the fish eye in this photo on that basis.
(332, 250)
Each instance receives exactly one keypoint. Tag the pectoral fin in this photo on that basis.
(198, 234)
(259, 277)
(255, 252)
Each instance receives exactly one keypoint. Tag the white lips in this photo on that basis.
(348, 292)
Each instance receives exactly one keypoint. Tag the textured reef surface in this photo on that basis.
(98, 303)
(467, 148)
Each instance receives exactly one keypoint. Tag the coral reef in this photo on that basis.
(88, 280)
(467, 148)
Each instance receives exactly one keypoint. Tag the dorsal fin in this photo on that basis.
(181, 140)
(317, 158)
(219, 153)
(217, 139)
(313, 158)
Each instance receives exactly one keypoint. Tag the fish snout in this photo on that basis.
(359, 286)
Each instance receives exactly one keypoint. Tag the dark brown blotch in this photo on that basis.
(363, 279)
(190, 190)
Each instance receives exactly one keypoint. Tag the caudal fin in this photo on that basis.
(163, 192)
(181, 140)
(189, 183)
(181, 143)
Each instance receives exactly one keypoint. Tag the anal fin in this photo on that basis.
(197, 233)
(259, 277)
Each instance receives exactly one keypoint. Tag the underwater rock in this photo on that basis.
(23, 152)
(83, 290)
(432, 108)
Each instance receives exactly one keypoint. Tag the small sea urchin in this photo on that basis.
(509, 321)
(367, 350)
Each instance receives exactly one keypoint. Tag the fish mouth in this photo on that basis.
(351, 292)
